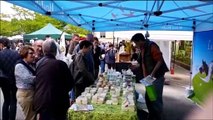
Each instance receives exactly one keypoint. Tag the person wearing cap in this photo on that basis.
(8, 60)
(151, 63)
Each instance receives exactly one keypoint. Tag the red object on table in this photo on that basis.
(172, 71)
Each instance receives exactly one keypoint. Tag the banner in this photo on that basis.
(202, 68)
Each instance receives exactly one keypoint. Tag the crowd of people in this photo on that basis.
(31, 75)
(45, 86)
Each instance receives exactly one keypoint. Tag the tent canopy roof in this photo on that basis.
(125, 15)
(49, 29)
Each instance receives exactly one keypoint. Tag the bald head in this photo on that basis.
(49, 47)
(37, 46)
(38, 42)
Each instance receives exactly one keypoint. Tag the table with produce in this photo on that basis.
(112, 98)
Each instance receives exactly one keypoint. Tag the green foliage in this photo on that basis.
(24, 22)
(75, 29)
(184, 54)
(184, 59)
(103, 111)
(5, 28)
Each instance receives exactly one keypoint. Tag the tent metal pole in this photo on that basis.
(149, 15)
(64, 12)
(174, 54)
(113, 38)
(188, 7)
(194, 28)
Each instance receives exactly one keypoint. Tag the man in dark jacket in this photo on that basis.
(88, 56)
(79, 68)
(8, 60)
(152, 63)
(96, 56)
(52, 84)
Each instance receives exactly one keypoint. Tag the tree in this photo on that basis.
(5, 28)
(75, 29)
(25, 21)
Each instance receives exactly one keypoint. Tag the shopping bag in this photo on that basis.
(150, 89)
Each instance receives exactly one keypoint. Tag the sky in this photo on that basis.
(5, 8)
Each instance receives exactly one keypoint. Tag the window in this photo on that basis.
(102, 35)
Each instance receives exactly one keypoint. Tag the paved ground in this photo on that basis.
(176, 105)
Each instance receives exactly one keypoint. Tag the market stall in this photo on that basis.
(123, 56)
(122, 65)
(113, 98)
(50, 30)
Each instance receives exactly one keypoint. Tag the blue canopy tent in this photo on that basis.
(49, 29)
(126, 15)
(123, 15)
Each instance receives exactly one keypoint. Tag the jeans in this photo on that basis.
(9, 105)
(156, 107)
(72, 95)
(102, 66)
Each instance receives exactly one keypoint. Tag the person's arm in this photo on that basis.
(157, 56)
(156, 68)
